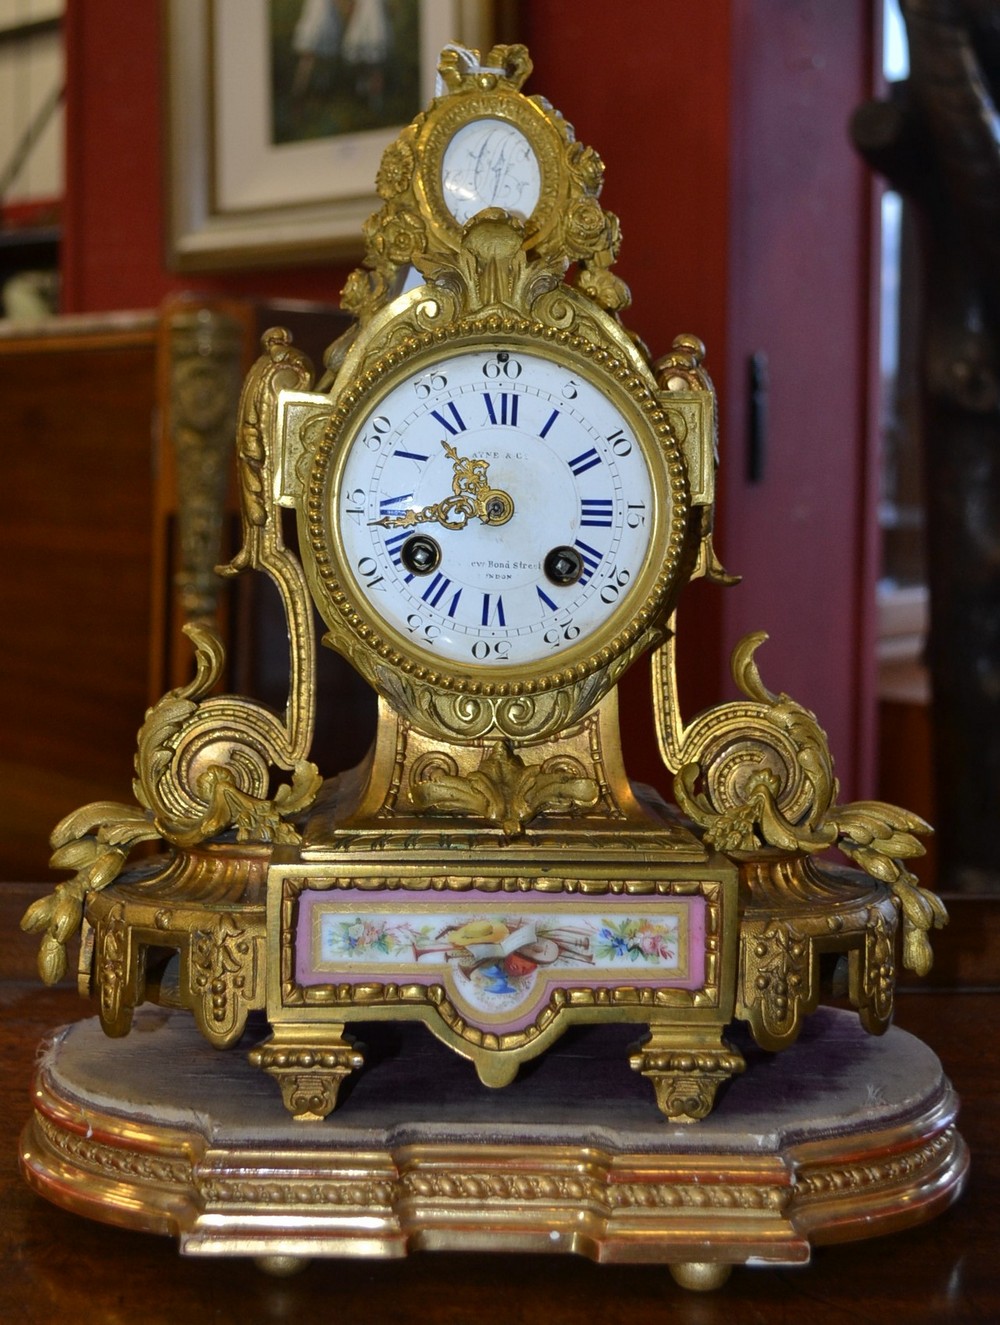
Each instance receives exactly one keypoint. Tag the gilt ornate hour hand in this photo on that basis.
(471, 498)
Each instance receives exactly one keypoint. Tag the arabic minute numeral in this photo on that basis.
(617, 581)
(355, 507)
(483, 649)
(502, 365)
(431, 385)
(427, 629)
(368, 569)
(556, 637)
(375, 432)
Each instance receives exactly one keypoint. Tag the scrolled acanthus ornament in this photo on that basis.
(758, 778)
(204, 765)
(203, 768)
(504, 789)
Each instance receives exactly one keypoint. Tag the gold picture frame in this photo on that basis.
(234, 197)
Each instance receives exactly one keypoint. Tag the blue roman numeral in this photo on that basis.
(437, 589)
(596, 512)
(394, 505)
(584, 461)
(454, 427)
(394, 547)
(494, 615)
(507, 412)
(548, 423)
(546, 599)
(591, 559)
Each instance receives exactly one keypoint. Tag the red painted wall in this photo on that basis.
(798, 289)
(745, 221)
(664, 138)
(114, 238)
(647, 86)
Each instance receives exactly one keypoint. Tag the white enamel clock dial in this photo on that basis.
(489, 163)
(494, 510)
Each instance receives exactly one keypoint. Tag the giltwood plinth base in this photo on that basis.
(842, 1136)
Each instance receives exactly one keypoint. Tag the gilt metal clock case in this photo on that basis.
(499, 497)
(501, 512)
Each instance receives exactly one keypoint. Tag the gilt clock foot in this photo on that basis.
(496, 1070)
(700, 1276)
(686, 1069)
(309, 1063)
(283, 1267)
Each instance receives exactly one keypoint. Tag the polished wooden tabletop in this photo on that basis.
(59, 1267)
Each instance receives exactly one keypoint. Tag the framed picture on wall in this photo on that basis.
(279, 111)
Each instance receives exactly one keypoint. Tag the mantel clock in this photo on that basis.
(499, 497)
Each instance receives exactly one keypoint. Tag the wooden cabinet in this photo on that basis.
(97, 418)
(76, 534)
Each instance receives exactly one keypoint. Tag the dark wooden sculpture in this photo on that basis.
(937, 140)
